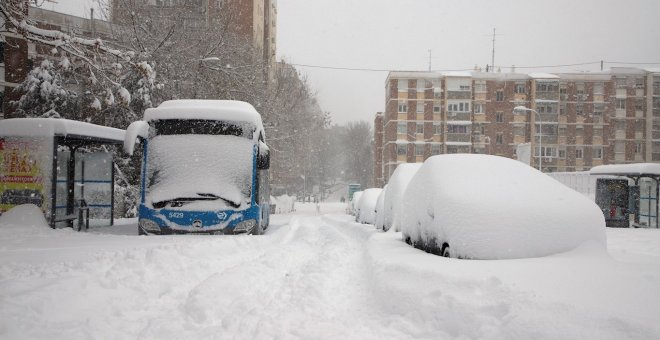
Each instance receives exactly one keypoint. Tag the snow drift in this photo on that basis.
(23, 219)
(490, 207)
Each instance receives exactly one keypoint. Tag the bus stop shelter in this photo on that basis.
(59, 165)
(642, 197)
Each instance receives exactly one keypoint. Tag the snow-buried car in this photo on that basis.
(366, 206)
(490, 207)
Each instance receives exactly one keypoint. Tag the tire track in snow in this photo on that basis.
(308, 285)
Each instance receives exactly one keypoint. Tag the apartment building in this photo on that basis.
(253, 20)
(579, 120)
(18, 56)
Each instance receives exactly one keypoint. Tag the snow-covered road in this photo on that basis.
(317, 277)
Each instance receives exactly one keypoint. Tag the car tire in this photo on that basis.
(258, 229)
(446, 251)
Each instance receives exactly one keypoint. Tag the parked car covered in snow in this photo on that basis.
(366, 206)
(394, 194)
(380, 206)
(489, 207)
(352, 204)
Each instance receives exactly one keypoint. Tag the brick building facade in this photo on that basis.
(581, 119)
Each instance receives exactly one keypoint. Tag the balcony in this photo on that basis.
(460, 116)
(459, 137)
(459, 94)
(547, 95)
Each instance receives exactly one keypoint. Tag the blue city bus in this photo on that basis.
(204, 168)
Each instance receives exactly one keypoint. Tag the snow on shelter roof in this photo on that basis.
(635, 169)
(46, 127)
(221, 110)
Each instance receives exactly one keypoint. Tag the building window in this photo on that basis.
(437, 129)
(2, 52)
(638, 147)
(578, 153)
(639, 104)
(464, 87)
(598, 109)
(520, 88)
(402, 85)
(639, 83)
(420, 128)
(478, 108)
(499, 138)
(421, 85)
(435, 149)
(419, 149)
(401, 128)
(621, 104)
(480, 88)
(599, 88)
(420, 107)
(562, 153)
(403, 107)
(401, 149)
(436, 108)
(579, 109)
(499, 117)
(499, 96)
(598, 153)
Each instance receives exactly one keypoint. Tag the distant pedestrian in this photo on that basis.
(318, 208)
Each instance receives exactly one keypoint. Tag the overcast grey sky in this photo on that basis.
(397, 34)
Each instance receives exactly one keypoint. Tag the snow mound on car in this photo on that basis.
(396, 186)
(490, 207)
(366, 208)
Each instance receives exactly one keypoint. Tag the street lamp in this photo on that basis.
(523, 109)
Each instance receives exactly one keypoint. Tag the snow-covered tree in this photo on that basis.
(80, 72)
(44, 94)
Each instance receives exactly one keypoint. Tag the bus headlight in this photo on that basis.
(148, 225)
(245, 226)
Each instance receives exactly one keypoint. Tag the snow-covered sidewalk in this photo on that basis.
(317, 277)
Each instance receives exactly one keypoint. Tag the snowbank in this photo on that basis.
(23, 219)
(490, 207)
(394, 194)
(366, 206)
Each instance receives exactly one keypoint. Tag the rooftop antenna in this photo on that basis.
(492, 59)
(430, 52)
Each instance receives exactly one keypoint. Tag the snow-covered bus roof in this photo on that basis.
(635, 169)
(50, 127)
(220, 110)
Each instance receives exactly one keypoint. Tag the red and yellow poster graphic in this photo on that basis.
(21, 179)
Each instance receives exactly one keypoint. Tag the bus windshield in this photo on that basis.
(193, 171)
